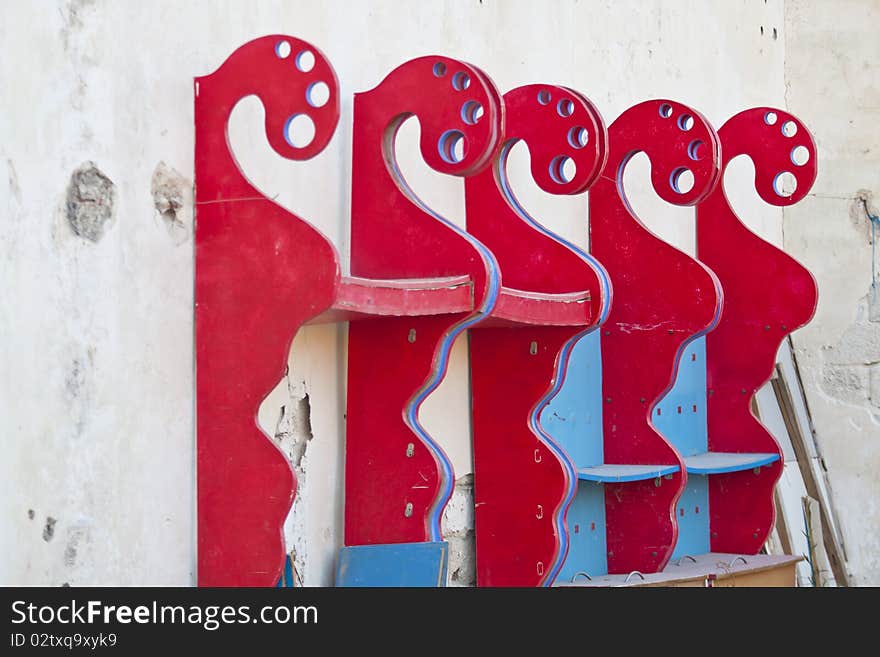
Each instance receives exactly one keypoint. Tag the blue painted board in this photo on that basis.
(718, 462)
(680, 415)
(587, 551)
(615, 473)
(573, 418)
(394, 565)
(692, 514)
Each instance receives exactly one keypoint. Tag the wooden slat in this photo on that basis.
(798, 443)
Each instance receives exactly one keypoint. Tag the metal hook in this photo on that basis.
(581, 572)
(733, 561)
(635, 572)
(685, 556)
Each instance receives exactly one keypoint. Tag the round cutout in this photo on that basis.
(800, 155)
(282, 49)
(439, 70)
(578, 137)
(471, 112)
(305, 61)
(461, 81)
(318, 94)
(544, 97)
(666, 110)
(565, 108)
(299, 131)
(785, 184)
(451, 146)
(682, 180)
(562, 169)
(695, 150)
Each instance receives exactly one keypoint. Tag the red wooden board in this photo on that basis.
(767, 295)
(397, 479)
(523, 482)
(261, 272)
(662, 299)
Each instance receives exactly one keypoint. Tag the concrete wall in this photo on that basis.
(96, 422)
(833, 85)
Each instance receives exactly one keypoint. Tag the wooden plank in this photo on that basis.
(798, 443)
(782, 524)
(709, 569)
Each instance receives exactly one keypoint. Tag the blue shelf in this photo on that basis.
(709, 463)
(612, 473)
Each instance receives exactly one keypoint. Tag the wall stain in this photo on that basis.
(49, 529)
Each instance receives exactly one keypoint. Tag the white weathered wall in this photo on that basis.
(96, 422)
(833, 85)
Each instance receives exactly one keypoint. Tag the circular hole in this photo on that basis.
(562, 169)
(800, 155)
(578, 137)
(544, 97)
(694, 149)
(789, 128)
(461, 81)
(565, 108)
(682, 180)
(299, 130)
(305, 61)
(471, 112)
(666, 110)
(451, 146)
(439, 69)
(785, 184)
(685, 122)
(282, 50)
(770, 118)
(318, 94)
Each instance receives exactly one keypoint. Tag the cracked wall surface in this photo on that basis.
(97, 422)
(833, 85)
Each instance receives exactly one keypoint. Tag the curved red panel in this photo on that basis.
(523, 482)
(767, 295)
(663, 298)
(397, 479)
(261, 273)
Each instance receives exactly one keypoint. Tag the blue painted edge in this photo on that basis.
(286, 579)
(608, 476)
(559, 518)
(441, 360)
(758, 461)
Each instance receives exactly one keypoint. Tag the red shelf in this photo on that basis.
(363, 298)
(518, 307)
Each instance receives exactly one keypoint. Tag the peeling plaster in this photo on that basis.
(173, 200)
(293, 433)
(91, 200)
(458, 531)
